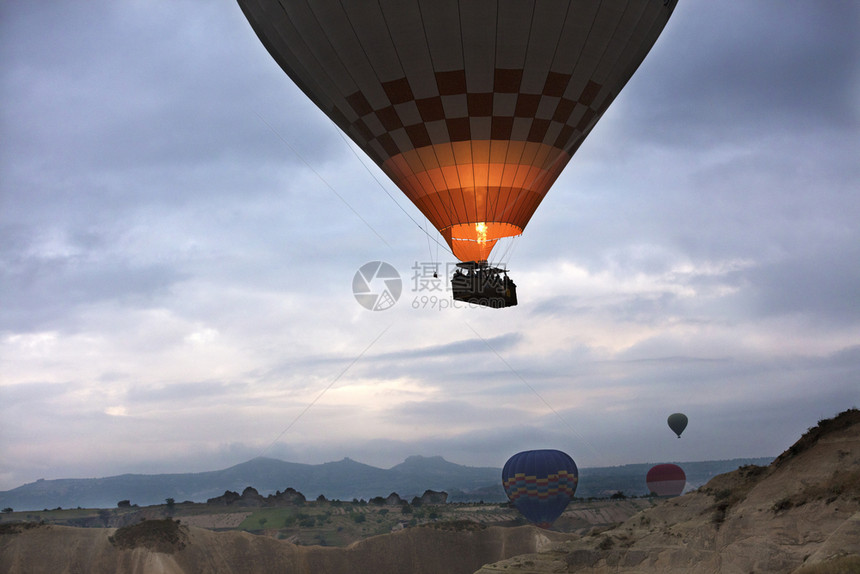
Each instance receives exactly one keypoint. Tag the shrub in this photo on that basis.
(719, 515)
(723, 494)
(606, 543)
(159, 535)
(783, 504)
(307, 522)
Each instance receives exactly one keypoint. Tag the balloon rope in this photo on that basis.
(537, 394)
(429, 247)
(508, 253)
(322, 179)
(319, 396)
(512, 248)
(373, 175)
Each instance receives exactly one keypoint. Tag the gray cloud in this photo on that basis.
(461, 347)
(175, 265)
(722, 70)
(821, 283)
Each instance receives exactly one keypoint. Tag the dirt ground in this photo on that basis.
(220, 521)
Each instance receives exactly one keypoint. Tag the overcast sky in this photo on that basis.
(180, 228)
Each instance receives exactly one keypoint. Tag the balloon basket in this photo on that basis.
(479, 284)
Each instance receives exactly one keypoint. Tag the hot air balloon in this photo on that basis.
(540, 483)
(677, 422)
(666, 480)
(471, 107)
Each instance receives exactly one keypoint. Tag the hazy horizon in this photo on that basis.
(382, 468)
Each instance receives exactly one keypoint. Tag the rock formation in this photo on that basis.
(801, 511)
(168, 547)
(431, 497)
(250, 497)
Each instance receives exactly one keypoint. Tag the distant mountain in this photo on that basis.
(344, 480)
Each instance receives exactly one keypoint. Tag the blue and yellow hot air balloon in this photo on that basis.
(540, 483)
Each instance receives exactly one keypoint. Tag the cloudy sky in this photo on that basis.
(180, 228)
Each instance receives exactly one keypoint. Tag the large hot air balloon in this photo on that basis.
(677, 422)
(666, 480)
(540, 483)
(471, 107)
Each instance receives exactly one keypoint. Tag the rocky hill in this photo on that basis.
(799, 514)
(168, 547)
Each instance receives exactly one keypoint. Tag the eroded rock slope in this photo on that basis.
(798, 513)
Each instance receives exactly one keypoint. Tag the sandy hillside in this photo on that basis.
(800, 514)
(168, 547)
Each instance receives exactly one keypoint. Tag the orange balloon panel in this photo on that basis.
(477, 192)
(472, 107)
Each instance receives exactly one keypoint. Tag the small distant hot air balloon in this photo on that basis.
(472, 107)
(677, 422)
(666, 480)
(540, 483)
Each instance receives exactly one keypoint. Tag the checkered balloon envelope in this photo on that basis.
(472, 107)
